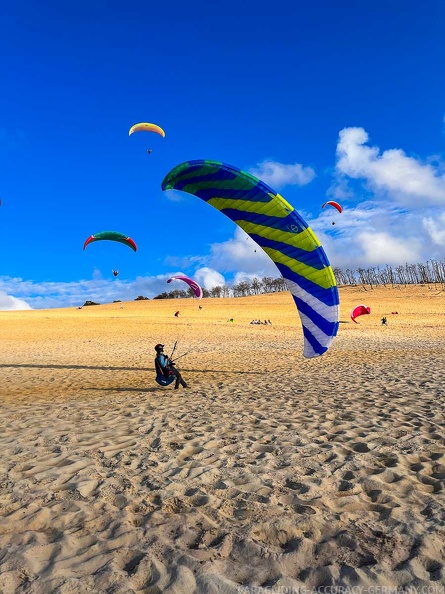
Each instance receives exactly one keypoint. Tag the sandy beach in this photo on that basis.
(270, 473)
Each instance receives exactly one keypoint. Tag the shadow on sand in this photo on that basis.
(111, 368)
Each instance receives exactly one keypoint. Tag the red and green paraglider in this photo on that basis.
(111, 236)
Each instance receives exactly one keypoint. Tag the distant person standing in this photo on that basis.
(384, 321)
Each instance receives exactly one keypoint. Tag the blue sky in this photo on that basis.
(341, 100)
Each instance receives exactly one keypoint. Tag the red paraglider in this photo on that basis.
(360, 310)
(334, 204)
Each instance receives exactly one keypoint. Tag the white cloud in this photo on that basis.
(278, 175)
(404, 178)
(67, 294)
(372, 234)
(10, 303)
(45, 295)
(381, 247)
(175, 195)
(435, 228)
(209, 278)
(395, 206)
(183, 261)
(241, 253)
(248, 277)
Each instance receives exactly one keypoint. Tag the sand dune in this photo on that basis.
(269, 473)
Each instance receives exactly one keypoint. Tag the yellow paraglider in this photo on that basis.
(147, 127)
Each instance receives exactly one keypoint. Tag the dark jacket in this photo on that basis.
(164, 373)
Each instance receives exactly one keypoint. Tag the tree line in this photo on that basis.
(431, 272)
(256, 286)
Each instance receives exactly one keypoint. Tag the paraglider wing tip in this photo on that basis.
(88, 240)
(132, 244)
(168, 183)
(313, 355)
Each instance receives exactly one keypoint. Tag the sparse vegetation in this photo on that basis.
(430, 273)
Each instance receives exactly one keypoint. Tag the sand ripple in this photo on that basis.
(269, 471)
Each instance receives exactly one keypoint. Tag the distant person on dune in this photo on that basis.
(384, 321)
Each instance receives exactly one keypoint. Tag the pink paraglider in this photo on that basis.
(191, 283)
(360, 310)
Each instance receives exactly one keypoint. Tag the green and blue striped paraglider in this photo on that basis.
(280, 231)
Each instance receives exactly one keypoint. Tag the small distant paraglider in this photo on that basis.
(115, 272)
(359, 310)
(249, 238)
(336, 205)
(147, 127)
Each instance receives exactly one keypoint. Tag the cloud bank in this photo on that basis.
(402, 178)
(9, 303)
(394, 205)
